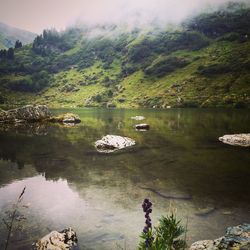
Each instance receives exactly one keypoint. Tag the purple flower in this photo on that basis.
(147, 209)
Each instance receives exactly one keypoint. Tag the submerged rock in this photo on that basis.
(29, 113)
(63, 240)
(205, 211)
(168, 195)
(236, 139)
(142, 126)
(111, 143)
(138, 118)
(237, 237)
(66, 118)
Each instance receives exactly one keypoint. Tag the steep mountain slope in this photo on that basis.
(9, 35)
(203, 63)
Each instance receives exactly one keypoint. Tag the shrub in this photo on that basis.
(23, 85)
(222, 21)
(166, 236)
(214, 69)
(2, 100)
(165, 66)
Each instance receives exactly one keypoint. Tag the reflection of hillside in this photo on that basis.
(179, 152)
(10, 171)
(25, 128)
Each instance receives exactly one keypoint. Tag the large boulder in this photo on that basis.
(34, 114)
(29, 113)
(63, 240)
(236, 238)
(236, 139)
(111, 143)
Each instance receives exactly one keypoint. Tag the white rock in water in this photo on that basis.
(236, 139)
(63, 240)
(138, 117)
(111, 143)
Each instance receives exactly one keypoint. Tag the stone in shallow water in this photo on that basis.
(205, 211)
(236, 238)
(142, 127)
(68, 118)
(138, 118)
(63, 240)
(111, 143)
(236, 139)
(168, 195)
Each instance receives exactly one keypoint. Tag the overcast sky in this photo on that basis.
(35, 15)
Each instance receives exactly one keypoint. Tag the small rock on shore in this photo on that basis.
(63, 240)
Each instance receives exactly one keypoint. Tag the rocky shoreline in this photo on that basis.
(236, 238)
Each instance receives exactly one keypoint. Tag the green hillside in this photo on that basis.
(205, 62)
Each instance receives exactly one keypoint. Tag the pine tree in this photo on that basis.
(10, 54)
(18, 44)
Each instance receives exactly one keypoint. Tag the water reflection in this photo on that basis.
(70, 184)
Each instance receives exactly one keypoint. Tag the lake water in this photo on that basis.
(99, 195)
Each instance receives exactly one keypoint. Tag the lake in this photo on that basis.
(68, 183)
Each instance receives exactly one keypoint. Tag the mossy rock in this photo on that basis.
(66, 118)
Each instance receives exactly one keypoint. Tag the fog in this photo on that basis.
(145, 11)
(35, 15)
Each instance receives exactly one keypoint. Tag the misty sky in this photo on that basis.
(35, 15)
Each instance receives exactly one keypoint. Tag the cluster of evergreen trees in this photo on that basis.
(235, 18)
(51, 41)
(7, 54)
(18, 44)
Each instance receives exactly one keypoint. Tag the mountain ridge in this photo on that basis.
(9, 35)
(203, 63)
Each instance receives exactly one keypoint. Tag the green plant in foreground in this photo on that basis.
(166, 236)
(9, 225)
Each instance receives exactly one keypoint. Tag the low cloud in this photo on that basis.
(36, 15)
(142, 12)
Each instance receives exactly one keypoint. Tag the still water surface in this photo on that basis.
(99, 195)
